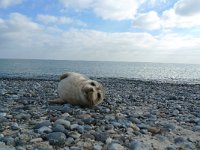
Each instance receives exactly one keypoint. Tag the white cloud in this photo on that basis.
(49, 19)
(149, 21)
(22, 38)
(106, 9)
(19, 22)
(116, 10)
(171, 20)
(184, 14)
(8, 3)
(187, 7)
(77, 4)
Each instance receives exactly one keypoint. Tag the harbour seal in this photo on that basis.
(77, 89)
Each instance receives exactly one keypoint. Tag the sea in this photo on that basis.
(51, 69)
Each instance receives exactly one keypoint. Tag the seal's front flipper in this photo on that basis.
(57, 101)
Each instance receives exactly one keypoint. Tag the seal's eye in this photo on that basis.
(98, 95)
(92, 83)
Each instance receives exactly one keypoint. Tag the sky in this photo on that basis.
(166, 31)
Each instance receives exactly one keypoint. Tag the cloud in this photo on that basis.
(77, 4)
(171, 20)
(184, 14)
(56, 20)
(48, 19)
(106, 9)
(116, 10)
(187, 7)
(8, 3)
(149, 21)
(21, 37)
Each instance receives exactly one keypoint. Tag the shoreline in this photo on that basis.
(56, 78)
(135, 114)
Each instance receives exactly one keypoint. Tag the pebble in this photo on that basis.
(2, 114)
(63, 122)
(179, 140)
(88, 136)
(101, 136)
(169, 126)
(29, 122)
(45, 123)
(69, 141)
(36, 140)
(14, 126)
(74, 134)
(143, 126)
(97, 147)
(56, 138)
(170, 148)
(59, 128)
(154, 130)
(43, 130)
(9, 141)
(137, 145)
(23, 116)
(196, 128)
(75, 148)
(115, 146)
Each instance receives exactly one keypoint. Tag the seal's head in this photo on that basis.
(93, 92)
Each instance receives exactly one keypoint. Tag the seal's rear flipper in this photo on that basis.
(57, 101)
(63, 76)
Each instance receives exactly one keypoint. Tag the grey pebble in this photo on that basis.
(46, 123)
(101, 136)
(74, 134)
(175, 112)
(137, 145)
(143, 126)
(170, 148)
(75, 148)
(3, 114)
(196, 128)
(63, 122)
(97, 147)
(56, 138)
(179, 140)
(169, 126)
(115, 146)
(8, 148)
(14, 126)
(43, 130)
(9, 141)
(20, 148)
(3, 119)
(59, 128)
(69, 141)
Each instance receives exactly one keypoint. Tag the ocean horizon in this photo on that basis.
(38, 68)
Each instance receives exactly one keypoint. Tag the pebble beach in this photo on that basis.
(136, 115)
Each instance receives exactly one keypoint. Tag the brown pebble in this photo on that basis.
(154, 130)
